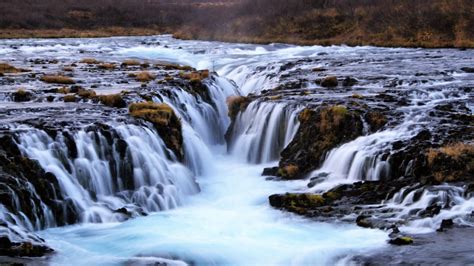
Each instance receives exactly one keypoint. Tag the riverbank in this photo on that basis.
(349, 40)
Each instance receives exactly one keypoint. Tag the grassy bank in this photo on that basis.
(389, 23)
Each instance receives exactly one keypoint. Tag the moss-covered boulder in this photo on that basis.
(165, 121)
(22, 95)
(452, 162)
(320, 131)
(237, 104)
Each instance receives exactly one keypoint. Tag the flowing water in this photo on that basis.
(213, 208)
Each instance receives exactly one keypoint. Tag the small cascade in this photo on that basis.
(426, 208)
(204, 121)
(100, 174)
(263, 130)
(367, 157)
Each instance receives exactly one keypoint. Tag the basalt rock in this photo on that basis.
(320, 131)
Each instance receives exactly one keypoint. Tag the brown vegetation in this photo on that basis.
(7, 68)
(90, 61)
(130, 62)
(237, 104)
(113, 100)
(423, 23)
(143, 76)
(58, 79)
(452, 162)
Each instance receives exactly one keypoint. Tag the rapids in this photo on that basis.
(213, 207)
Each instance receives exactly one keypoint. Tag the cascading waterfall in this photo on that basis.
(262, 131)
(361, 159)
(449, 201)
(100, 180)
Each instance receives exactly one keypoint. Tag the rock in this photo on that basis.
(468, 69)
(348, 82)
(320, 131)
(22, 95)
(401, 241)
(363, 221)
(271, 171)
(330, 81)
(165, 121)
(376, 120)
(445, 224)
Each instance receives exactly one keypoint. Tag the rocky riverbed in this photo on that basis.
(101, 131)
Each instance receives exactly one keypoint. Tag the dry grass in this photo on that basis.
(454, 151)
(131, 62)
(290, 171)
(58, 79)
(87, 94)
(236, 104)
(63, 90)
(143, 76)
(106, 66)
(77, 33)
(7, 68)
(331, 118)
(90, 61)
(68, 69)
(70, 98)
(157, 113)
(113, 100)
(195, 76)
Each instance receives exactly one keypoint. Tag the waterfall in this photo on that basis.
(103, 177)
(367, 157)
(451, 201)
(262, 131)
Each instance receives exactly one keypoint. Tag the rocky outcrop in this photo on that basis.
(320, 131)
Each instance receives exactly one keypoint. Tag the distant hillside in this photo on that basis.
(434, 23)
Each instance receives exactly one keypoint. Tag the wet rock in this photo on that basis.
(22, 95)
(165, 121)
(320, 131)
(401, 241)
(363, 221)
(445, 224)
(468, 69)
(271, 171)
(376, 120)
(330, 81)
(349, 81)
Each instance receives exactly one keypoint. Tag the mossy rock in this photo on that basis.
(165, 121)
(22, 95)
(401, 241)
(330, 81)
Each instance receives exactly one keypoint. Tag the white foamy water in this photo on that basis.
(228, 223)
